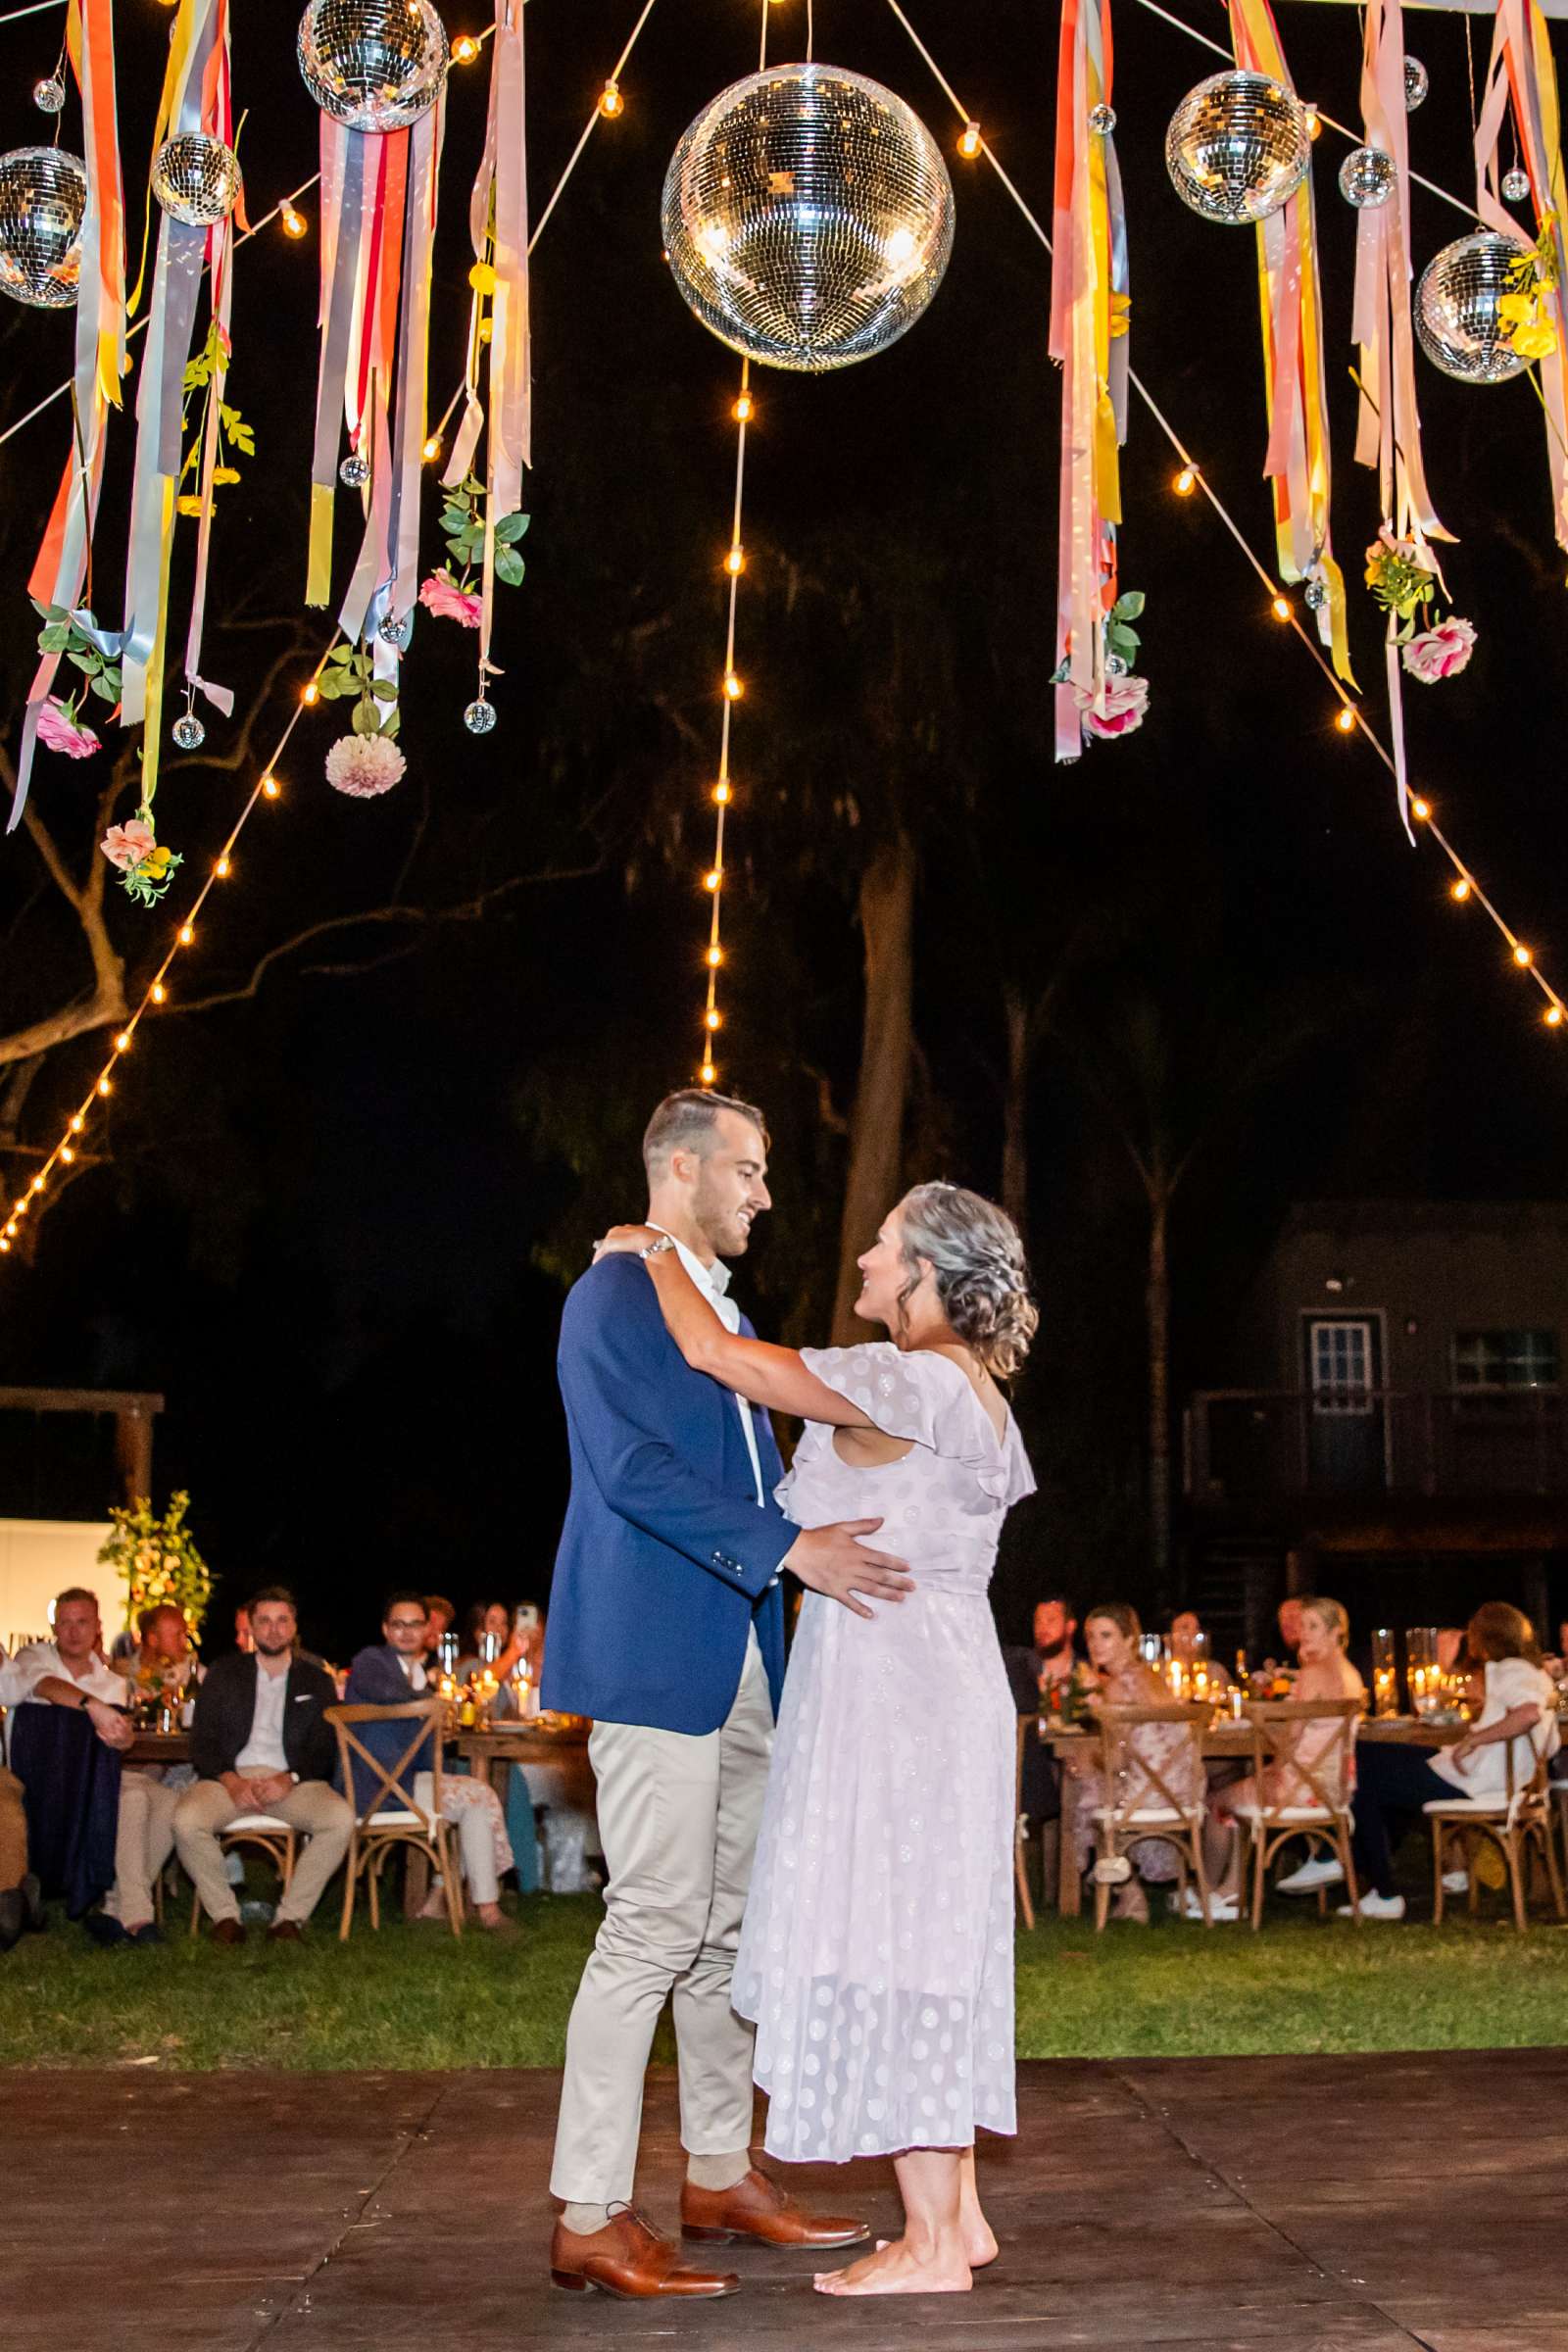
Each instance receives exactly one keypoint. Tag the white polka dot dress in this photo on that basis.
(876, 1956)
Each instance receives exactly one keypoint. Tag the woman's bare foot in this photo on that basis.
(491, 1916)
(895, 2269)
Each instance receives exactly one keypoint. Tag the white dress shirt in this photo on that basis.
(21, 1677)
(714, 1283)
(263, 1752)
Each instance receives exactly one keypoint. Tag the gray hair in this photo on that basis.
(982, 1277)
(687, 1120)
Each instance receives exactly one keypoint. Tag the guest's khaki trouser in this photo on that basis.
(678, 1815)
(144, 1839)
(13, 1833)
(312, 1809)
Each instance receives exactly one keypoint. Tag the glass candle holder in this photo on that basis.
(1384, 1672)
(1422, 1671)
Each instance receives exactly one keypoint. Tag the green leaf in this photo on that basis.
(511, 526)
(1130, 605)
(363, 720)
(54, 638)
(106, 687)
(508, 566)
(87, 658)
(333, 685)
(384, 689)
(392, 721)
(1122, 641)
(341, 653)
(454, 518)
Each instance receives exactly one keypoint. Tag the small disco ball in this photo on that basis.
(1238, 147)
(808, 216)
(1416, 84)
(43, 195)
(1457, 307)
(1102, 121)
(1516, 184)
(374, 65)
(479, 718)
(188, 731)
(49, 95)
(196, 179)
(1366, 178)
(395, 629)
(1115, 666)
(1315, 595)
(354, 471)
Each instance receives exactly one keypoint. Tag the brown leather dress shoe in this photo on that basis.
(285, 1931)
(759, 2208)
(228, 1930)
(629, 2259)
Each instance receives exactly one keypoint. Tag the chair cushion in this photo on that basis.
(1144, 1816)
(254, 1821)
(394, 1817)
(1292, 1813)
(1478, 1806)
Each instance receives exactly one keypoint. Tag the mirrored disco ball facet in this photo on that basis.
(43, 195)
(808, 216)
(1416, 84)
(374, 65)
(196, 179)
(1366, 178)
(1238, 147)
(1456, 309)
(1516, 184)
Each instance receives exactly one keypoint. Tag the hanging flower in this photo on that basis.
(1121, 707)
(1441, 651)
(442, 596)
(1398, 577)
(63, 731)
(129, 844)
(363, 766)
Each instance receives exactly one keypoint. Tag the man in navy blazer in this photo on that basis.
(666, 1626)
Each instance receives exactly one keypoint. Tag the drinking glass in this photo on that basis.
(1422, 1670)
(1384, 1672)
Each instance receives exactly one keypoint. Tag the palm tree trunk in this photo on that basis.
(877, 1129)
(1157, 1301)
(1015, 1131)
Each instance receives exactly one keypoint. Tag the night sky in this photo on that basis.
(337, 1215)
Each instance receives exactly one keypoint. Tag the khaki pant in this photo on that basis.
(678, 1815)
(144, 1839)
(13, 1833)
(315, 1809)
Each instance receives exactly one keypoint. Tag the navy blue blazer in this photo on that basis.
(665, 1560)
(377, 1680)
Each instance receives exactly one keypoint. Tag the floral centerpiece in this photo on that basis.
(159, 1561)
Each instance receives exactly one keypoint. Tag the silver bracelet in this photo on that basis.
(658, 1249)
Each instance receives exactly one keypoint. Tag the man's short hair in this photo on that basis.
(146, 1619)
(404, 1600)
(1060, 1600)
(75, 1592)
(687, 1120)
(439, 1601)
(271, 1592)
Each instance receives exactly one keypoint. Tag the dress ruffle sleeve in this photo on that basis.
(928, 1399)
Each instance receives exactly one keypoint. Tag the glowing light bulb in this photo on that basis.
(77, 1123)
(187, 934)
(122, 1042)
(311, 693)
(735, 561)
(712, 1019)
(712, 881)
(104, 1087)
(733, 687)
(37, 1184)
(1344, 718)
(708, 1073)
(1281, 608)
(969, 141)
(1522, 956)
(1186, 481)
(4, 1244)
(464, 49)
(1420, 809)
(1461, 889)
(432, 450)
(714, 958)
(160, 994)
(745, 409)
(222, 869)
(611, 102)
(270, 788)
(722, 793)
(294, 223)
(66, 1153)
(1553, 1016)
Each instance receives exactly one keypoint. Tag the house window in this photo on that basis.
(1341, 1356)
(1505, 1359)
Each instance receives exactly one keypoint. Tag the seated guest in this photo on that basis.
(440, 1615)
(261, 1743)
(71, 1672)
(244, 1639)
(1033, 1673)
(1518, 1721)
(19, 1903)
(1323, 1635)
(1111, 1635)
(490, 1621)
(162, 1658)
(389, 1674)
(1186, 1639)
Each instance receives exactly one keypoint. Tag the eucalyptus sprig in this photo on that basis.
(351, 669)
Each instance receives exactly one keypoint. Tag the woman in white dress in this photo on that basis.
(877, 1954)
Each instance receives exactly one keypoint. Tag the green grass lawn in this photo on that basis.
(411, 1997)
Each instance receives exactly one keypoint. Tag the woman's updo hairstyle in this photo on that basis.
(982, 1277)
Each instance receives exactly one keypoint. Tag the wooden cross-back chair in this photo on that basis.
(1145, 1800)
(1312, 1770)
(275, 1839)
(392, 1815)
(1028, 1729)
(1518, 1823)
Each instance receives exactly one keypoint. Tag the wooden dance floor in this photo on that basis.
(1247, 2205)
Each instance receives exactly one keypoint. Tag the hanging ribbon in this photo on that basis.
(197, 97)
(1089, 314)
(1521, 68)
(60, 573)
(497, 225)
(1291, 304)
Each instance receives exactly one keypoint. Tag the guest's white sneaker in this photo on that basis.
(1375, 1906)
(1222, 1908)
(1456, 1882)
(1308, 1877)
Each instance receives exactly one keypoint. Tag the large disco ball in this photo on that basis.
(43, 195)
(374, 65)
(1456, 309)
(1238, 147)
(808, 216)
(196, 179)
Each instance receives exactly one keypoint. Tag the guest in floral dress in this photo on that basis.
(1112, 1634)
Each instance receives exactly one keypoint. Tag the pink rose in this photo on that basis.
(443, 596)
(63, 734)
(129, 844)
(1439, 652)
(1122, 705)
